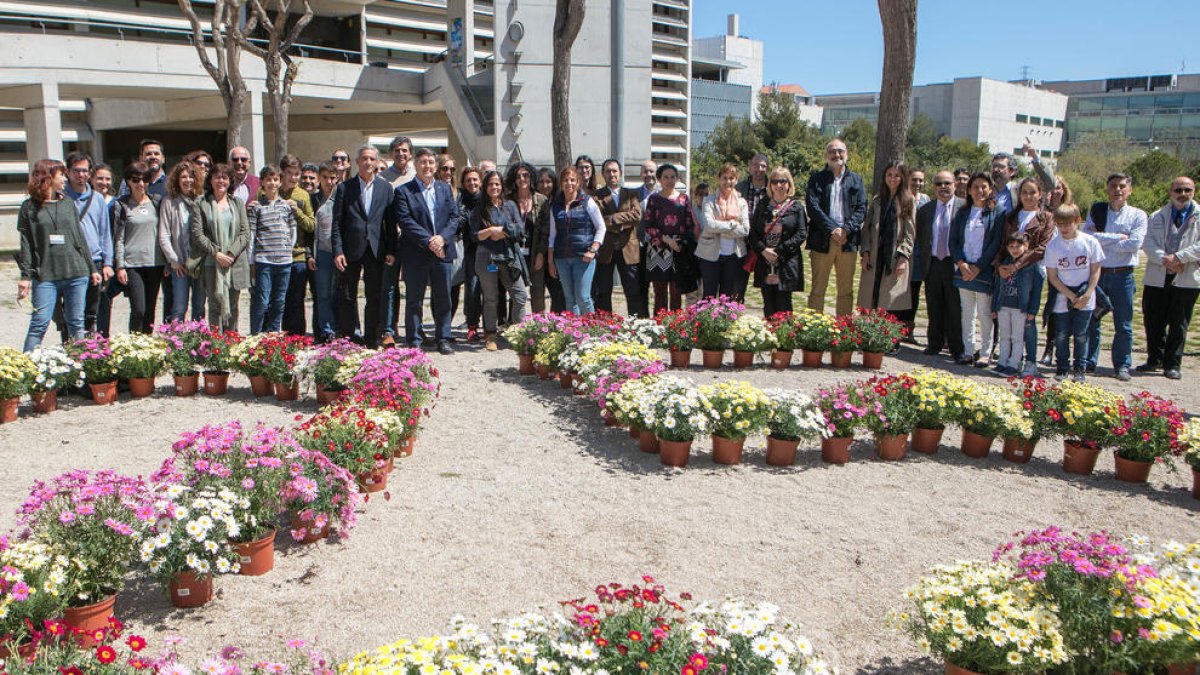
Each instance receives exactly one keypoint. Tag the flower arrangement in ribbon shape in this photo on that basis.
(215, 352)
(93, 354)
(95, 521)
(183, 339)
(739, 409)
(892, 404)
(995, 411)
(249, 356)
(680, 411)
(845, 335)
(524, 336)
(279, 352)
(55, 370)
(226, 457)
(751, 334)
(1038, 397)
(1163, 610)
(681, 330)
(191, 532)
(1147, 428)
(320, 364)
(714, 317)
(941, 397)
(844, 411)
(633, 403)
(138, 355)
(794, 416)
(1084, 413)
(319, 493)
(31, 580)
(1189, 442)
(347, 436)
(977, 616)
(17, 372)
(877, 330)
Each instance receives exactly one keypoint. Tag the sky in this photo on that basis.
(836, 46)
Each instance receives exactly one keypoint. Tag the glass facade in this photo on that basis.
(1170, 120)
(712, 102)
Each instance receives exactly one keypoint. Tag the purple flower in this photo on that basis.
(66, 517)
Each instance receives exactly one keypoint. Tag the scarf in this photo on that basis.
(887, 236)
(223, 230)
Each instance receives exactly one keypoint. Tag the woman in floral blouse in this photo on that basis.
(670, 241)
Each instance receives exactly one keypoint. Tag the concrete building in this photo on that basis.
(726, 76)
(806, 103)
(468, 76)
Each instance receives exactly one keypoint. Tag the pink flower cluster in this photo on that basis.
(842, 409)
(1088, 555)
(82, 494)
(623, 370)
(318, 490)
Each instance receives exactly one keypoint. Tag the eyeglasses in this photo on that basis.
(341, 158)
(447, 169)
(1183, 191)
(206, 165)
(135, 179)
(944, 183)
(780, 181)
(81, 171)
(239, 160)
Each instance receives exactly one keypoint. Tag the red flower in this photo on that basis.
(635, 636)
(106, 654)
(136, 642)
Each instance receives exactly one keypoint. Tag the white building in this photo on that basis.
(744, 56)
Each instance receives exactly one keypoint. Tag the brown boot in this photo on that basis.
(490, 342)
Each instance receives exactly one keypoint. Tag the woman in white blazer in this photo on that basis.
(721, 247)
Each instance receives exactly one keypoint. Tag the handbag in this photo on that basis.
(752, 257)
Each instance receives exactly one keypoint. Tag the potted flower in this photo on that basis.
(280, 362)
(189, 541)
(1037, 396)
(30, 591)
(618, 374)
(95, 357)
(319, 494)
(843, 411)
(941, 397)
(794, 417)
(401, 383)
(748, 336)
(250, 358)
(680, 414)
(816, 333)
(139, 358)
(632, 404)
(1084, 415)
(319, 365)
(879, 332)
(845, 341)
(991, 411)
(1146, 431)
(17, 372)
(714, 317)
(786, 327)
(351, 440)
(183, 339)
(549, 349)
(892, 412)
(55, 372)
(215, 355)
(680, 334)
(738, 409)
(600, 368)
(1189, 441)
(523, 338)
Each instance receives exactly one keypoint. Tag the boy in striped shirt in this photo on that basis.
(272, 236)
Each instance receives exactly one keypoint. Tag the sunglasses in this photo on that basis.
(944, 183)
(239, 160)
(341, 158)
(1182, 191)
(780, 181)
(447, 169)
(135, 179)
(206, 165)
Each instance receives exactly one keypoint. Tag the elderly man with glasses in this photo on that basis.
(1172, 279)
(245, 182)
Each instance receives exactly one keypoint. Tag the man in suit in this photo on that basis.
(837, 205)
(429, 219)
(364, 240)
(622, 211)
(937, 265)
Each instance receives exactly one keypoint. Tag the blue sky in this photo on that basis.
(836, 46)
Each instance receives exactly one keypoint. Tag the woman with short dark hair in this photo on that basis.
(220, 238)
(139, 259)
(670, 241)
(497, 226)
(534, 208)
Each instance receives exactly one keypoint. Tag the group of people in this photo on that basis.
(985, 248)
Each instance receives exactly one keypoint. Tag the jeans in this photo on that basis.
(576, 277)
(417, 276)
(293, 303)
(490, 282)
(270, 290)
(44, 296)
(976, 305)
(389, 299)
(326, 322)
(181, 288)
(722, 276)
(1071, 326)
(1012, 336)
(1119, 287)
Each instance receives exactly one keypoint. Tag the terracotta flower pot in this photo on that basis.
(325, 396)
(681, 358)
(781, 358)
(781, 452)
(634, 431)
(1195, 483)
(647, 441)
(840, 359)
(390, 464)
(260, 385)
(287, 391)
(372, 481)
(565, 380)
(104, 393)
(925, 441)
(1079, 459)
(891, 447)
(609, 420)
(25, 650)
(1019, 450)
(90, 618)
(975, 445)
(216, 383)
(742, 359)
(674, 453)
(873, 360)
(187, 385)
(836, 450)
(811, 359)
(727, 450)
(44, 401)
(543, 371)
(1188, 668)
(311, 536)
(525, 364)
(189, 591)
(257, 557)
(406, 446)
(713, 357)
(141, 387)
(1130, 470)
(952, 669)
(8, 409)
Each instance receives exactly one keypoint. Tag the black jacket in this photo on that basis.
(790, 266)
(854, 209)
(354, 231)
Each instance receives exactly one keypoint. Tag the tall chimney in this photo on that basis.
(732, 29)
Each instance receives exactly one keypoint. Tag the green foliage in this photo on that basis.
(1096, 155)
(1155, 166)
(778, 118)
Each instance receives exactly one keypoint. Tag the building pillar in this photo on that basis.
(253, 137)
(460, 34)
(43, 123)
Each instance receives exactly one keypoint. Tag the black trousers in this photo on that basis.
(370, 269)
(775, 300)
(602, 285)
(1166, 313)
(910, 315)
(942, 305)
(293, 302)
(143, 297)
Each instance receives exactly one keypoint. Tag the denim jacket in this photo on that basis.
(1029, 281)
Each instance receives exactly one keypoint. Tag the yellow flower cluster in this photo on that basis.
(995, 411)
(941, 396)
(739, 408)
(750, 334)
(1189, 440)
(597, 360)
(16, 372)
(1088, 412)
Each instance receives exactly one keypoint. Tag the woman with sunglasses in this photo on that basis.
(778, 230)
(139, 259)
(974, 241)
(534, 208)
(202, 162)
(175, 220)
(341, 160)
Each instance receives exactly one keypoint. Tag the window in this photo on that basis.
(1047, 122)
(1022, 118)
(1047, 153)
(1035, 121)
(1060, 124)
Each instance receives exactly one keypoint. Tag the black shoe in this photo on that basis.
(444, 348)
(1173, 374)
(931, 351)
(1149, 367)
(1090, 369)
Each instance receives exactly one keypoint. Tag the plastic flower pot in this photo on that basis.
(742, 359)
(1131, 470)
(681, 358)
(187, 385)
(188, 591)
(976, 446)
(891, 447)
(287, 391)
(8, 409)
(925, 441)
(727, 450)
(1079, 459)
(811, 359)
(674, 453)
(257, 557)
(216, 384)
(311, 536)
(713, 357)
(44, 401)
(836, 450)
(781, 358)
(873, 360)
(1019, 450)
(525, 364)
(647, 442)
(634, 432)
(406, 446)
(543, 372)
(260, 386)
(781, 452)
(90, 618)
(141, 387)
(840, 359)
(104, 393)
(371, 481)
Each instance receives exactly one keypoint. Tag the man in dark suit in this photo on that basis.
(933, 251)
(428, 219)
(837, 205)
(622, 211)
(364, 240)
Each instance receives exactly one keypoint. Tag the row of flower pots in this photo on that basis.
(780, 359)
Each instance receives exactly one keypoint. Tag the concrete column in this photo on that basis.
(43, 123)
(462, 12)
(252, 130)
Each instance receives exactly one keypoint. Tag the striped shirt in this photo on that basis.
(272, 231)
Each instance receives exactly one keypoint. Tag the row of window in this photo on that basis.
(1019, 152)
(1143, 102)
(1041, 121)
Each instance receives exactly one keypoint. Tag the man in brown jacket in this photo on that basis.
(622, 210)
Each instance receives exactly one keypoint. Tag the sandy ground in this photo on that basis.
(517, 496)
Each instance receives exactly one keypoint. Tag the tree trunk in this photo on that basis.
(899, 20)
(281, 70)
(568, 19)
(226, 73)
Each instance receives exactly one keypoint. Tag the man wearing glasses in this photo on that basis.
(932, 253)
(97, 231)
(837, 205)
(1172, 279)
(245, 183)
(401, 171)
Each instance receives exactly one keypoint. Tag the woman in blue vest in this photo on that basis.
(974, 240)
(576, 232)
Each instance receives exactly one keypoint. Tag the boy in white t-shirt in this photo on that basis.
(1073, 269)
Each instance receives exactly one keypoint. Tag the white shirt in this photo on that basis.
(367, 188)
(1024, 218)
(1129, 221)
(974, 235)
(836, 212)
(429, 192)
(1073, 259)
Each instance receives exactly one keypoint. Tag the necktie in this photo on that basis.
(943, 250)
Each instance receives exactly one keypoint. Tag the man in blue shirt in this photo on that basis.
(151, 152)
(97, 230)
